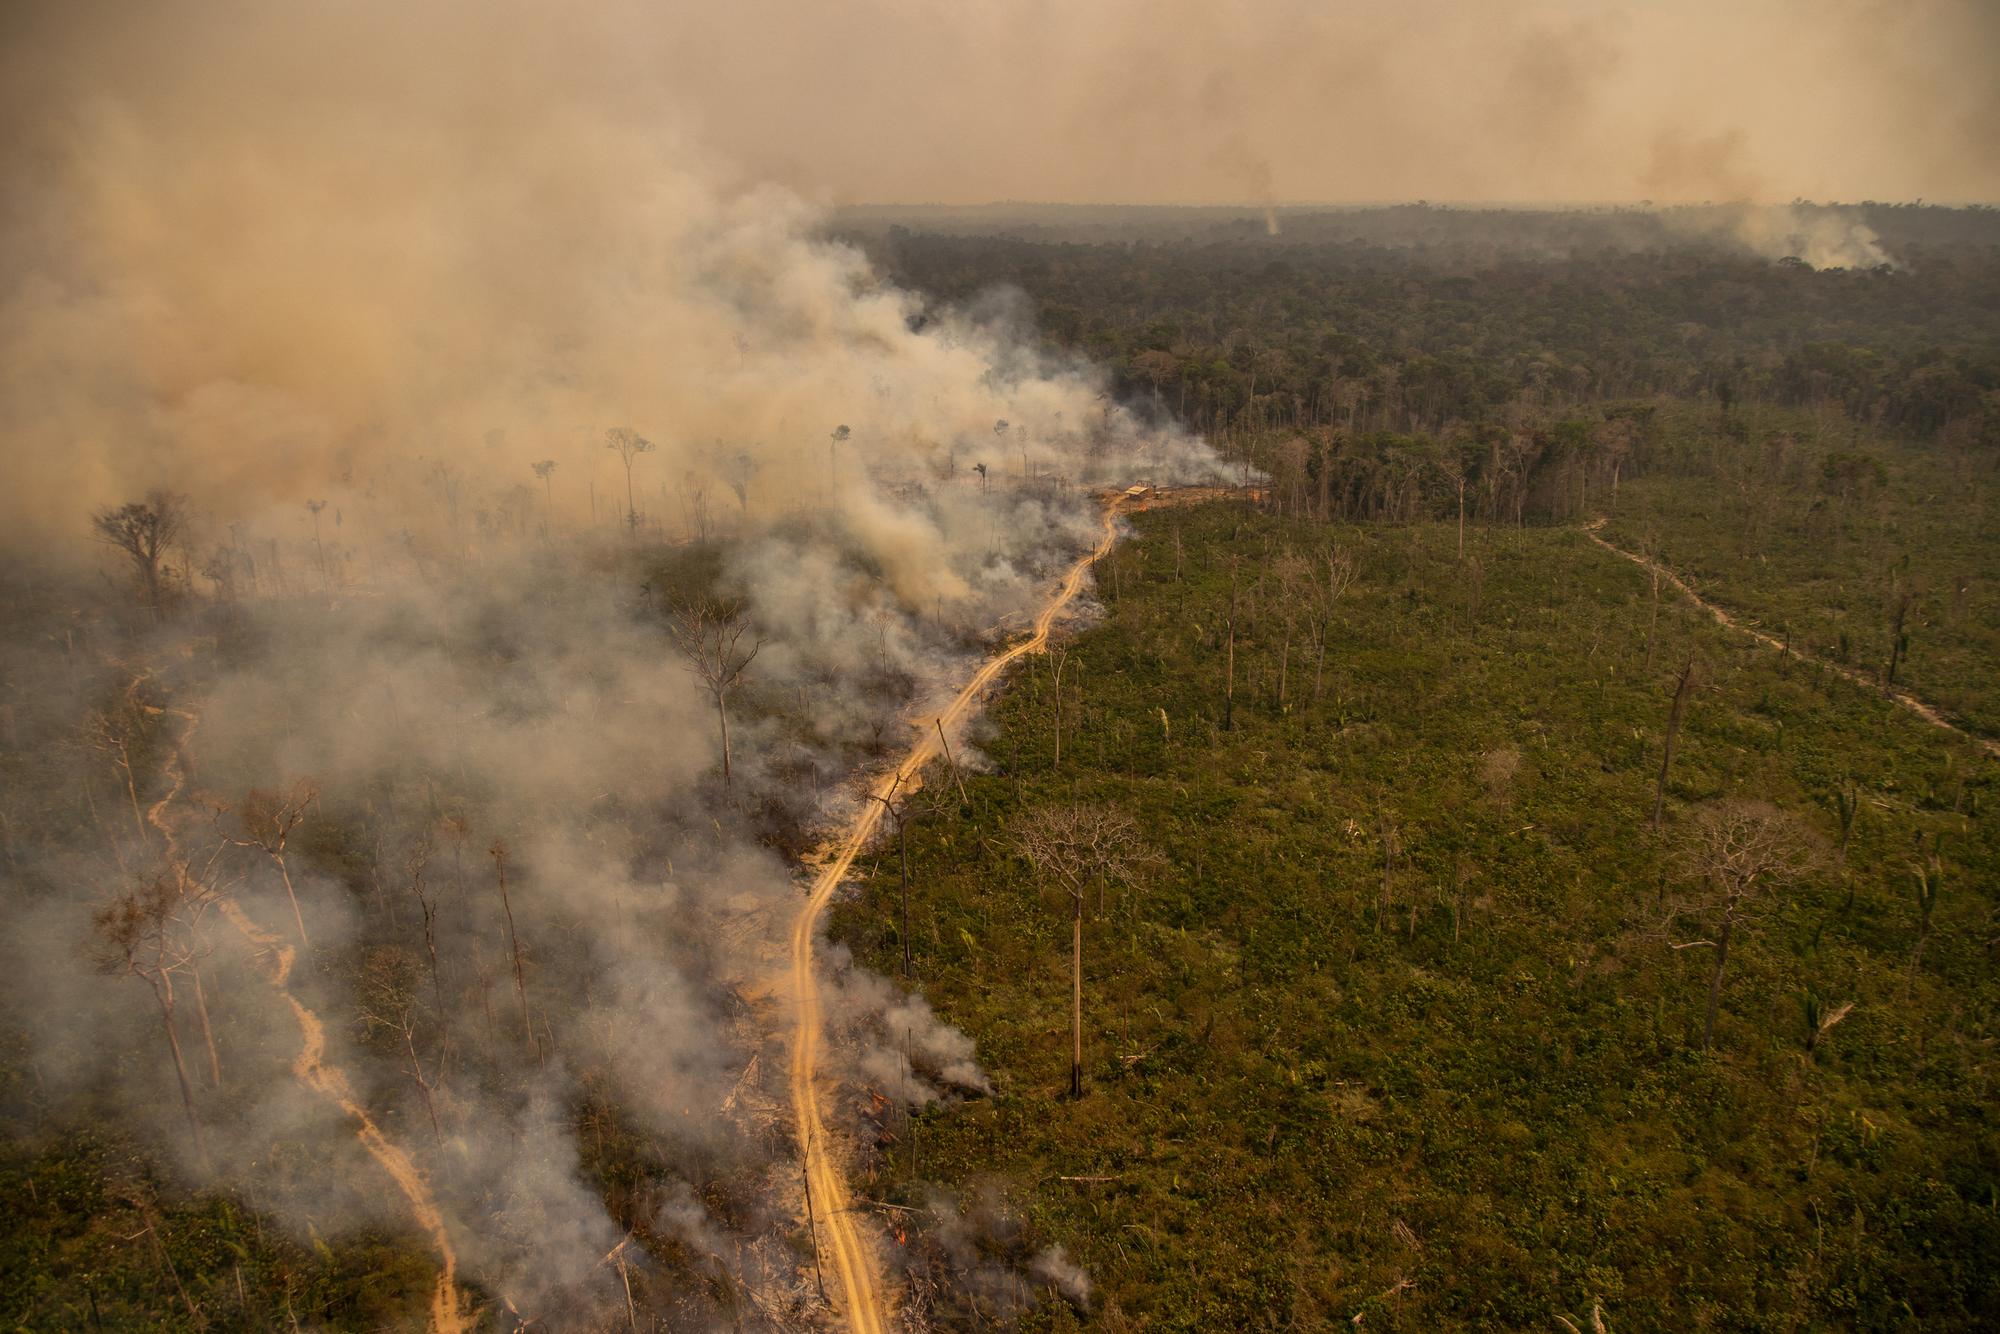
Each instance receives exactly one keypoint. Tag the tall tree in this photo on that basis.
(1327, 580)
(1075, 848)
(314, 507)
(628, 444)
(144, 530)
(1675, 712)
(1738, 854)
(265, 821)
(544, 469)
(710, 634)
(151, 933)
(498, 851)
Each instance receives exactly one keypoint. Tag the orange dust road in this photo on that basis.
(854, 1259)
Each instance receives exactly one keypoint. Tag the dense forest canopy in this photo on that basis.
(1424, 319)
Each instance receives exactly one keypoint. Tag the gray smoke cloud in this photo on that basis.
(341, 277)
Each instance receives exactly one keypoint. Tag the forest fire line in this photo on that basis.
(865, 1305)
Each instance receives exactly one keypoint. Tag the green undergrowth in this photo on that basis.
(91, 1238)
(1818, 529)
(1469, 1092)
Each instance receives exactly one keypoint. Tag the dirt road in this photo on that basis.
(839, 1237)
(1908, 701)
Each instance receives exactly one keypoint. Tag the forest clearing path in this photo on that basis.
(854, 1258)
(1925, 711)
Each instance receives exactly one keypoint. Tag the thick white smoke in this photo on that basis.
(343, 283)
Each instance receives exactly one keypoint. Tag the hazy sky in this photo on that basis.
(1138, 100)
(1174, 100)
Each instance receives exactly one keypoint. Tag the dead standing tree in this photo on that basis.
(544, 469)
(899, 814)
(499, 854)
(710, 633)
(1058, 660)
(144, 530)
(1739, 854)
(266, 822)
(628, 444)
(389, 985)
(116, 730)
(153, 933)
(1075, 847)
(1326, 583)
(1682, 687)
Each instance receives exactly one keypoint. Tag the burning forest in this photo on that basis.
(518, 546)
(623, 705)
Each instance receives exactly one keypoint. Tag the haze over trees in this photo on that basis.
(1272, 767)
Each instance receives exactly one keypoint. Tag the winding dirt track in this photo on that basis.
(275, 958)
(1908, 701)
(853, 1256)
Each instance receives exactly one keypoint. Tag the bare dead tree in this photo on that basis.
(1392, 848)
(314, 507)
(114, 731)
(1901, 596)
(1738, 855)
(1682, 687)
(1229, 653)
(1074, 848)
(417, 867)
(1327, 580)
(499, 854)
(1058, 659)
(389, 1001)
(544, 469)
(266, 821)
(628, 444)
(898, 813)
(152, 932)
(710, 634)
(144, 530)
(739, 472)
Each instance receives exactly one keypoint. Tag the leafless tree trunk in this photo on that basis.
(1741, 852)
(1229, 667)
(1075, 846)
(897, 812)
(1327, 582)
(710, 634)
(1076, 999)
(499, 854)
(427, 906)
(1653, 619)
(1681, 690)
(1460, 479)
(627, 444)
(113, 731)
(1058, 659)
(267, 821)
(207, 1030)
(1899, 641)
(150, 933)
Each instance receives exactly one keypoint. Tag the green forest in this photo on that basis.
(1395, 1016)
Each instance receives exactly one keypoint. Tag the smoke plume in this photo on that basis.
(476, 373)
